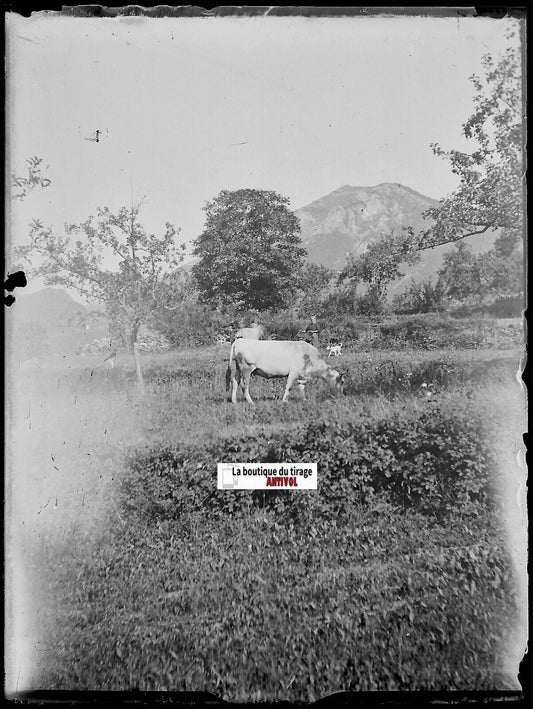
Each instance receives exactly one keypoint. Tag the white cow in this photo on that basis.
(254, 332)
(334, 350)
(298, 361)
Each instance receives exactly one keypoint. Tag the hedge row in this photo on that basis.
(436, 462)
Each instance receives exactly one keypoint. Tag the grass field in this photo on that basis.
(404, 571)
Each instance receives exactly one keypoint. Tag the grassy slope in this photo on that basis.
(246, 606)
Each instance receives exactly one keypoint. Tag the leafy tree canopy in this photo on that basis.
(491, 181)
(314, 285)
(379, 264)
(250, 253)
(139, 284)
(471, 278)
(490, 194)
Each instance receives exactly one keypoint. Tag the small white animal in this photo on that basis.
(334, 350)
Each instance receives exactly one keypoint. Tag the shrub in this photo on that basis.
(437, 463)
(433, 331)
(191, 324)
(284, 324)
(423, 297)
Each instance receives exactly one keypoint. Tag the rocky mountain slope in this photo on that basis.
(348, 219)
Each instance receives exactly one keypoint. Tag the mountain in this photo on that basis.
(51, 307)
(348, 219)
(51, 321)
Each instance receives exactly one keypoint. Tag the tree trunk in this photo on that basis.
(135, 350)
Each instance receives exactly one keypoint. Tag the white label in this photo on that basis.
(267, 476)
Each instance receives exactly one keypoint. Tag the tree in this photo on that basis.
(421, 297)
(379, 265)
(471, 278)
(31, 181)
(250, 253)
(139, 285)
(491, 181)
(23, 185)
(314, 283)
(490, 194)
(461, 275)
(190, 322)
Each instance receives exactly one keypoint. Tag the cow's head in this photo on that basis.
(336, 380)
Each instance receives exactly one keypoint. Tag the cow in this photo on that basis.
(254, 332)
(297, 360)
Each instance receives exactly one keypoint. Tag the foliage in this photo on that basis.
(379, 265)
(314, 285)
(142, 280)
(470, 278)
(435, 332)
(370, 303)
(191, 324)
(250, 250)
(423, 297)
(430, 331)
(32, 180)
(434, 463)
(253, 609)
(490, 194)
(283, 324)
(280, 598)
(343, 301)
(491, 187)
(506, 307)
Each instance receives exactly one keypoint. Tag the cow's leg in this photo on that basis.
(246, 383)
(293, 376)
(301, 387)
(235, 380)
(234, 387)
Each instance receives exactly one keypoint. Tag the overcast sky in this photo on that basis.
(189, 107)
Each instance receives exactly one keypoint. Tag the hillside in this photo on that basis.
(348, 219)
(51, 321)
(51, 307)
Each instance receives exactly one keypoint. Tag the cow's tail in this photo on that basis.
(231, 365)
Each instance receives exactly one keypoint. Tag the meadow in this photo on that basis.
(403, 571)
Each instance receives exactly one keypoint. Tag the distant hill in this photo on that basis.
(348, 219)
(50, 320)
(52, 307)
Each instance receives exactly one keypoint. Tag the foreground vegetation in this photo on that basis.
(396, 574)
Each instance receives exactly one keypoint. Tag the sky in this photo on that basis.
(188, 107)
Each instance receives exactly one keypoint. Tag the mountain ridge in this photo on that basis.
(345, 221)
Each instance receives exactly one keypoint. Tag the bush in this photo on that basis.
(284, 324)
(434, 331)
(437, 463)
(510, 307)
(191, 324)
(369, 304)
(424, 297)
